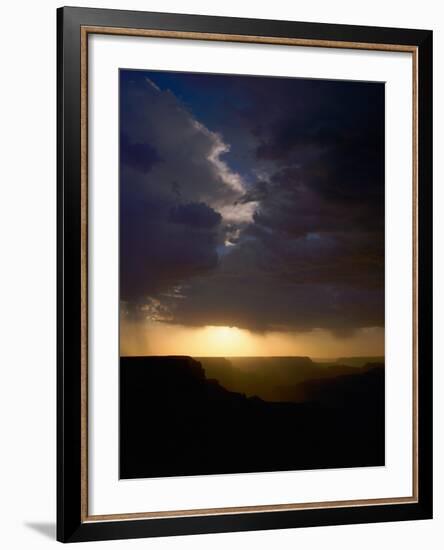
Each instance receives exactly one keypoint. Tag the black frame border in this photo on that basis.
(70, 527)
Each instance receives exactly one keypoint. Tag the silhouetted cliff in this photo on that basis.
(275, 378)
(176, 421)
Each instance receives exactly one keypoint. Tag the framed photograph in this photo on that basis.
(244, 274)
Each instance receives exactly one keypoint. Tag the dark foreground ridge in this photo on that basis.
(175, 421)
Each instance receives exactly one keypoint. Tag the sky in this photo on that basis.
(251, 215)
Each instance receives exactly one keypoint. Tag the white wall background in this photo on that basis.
(27, 273)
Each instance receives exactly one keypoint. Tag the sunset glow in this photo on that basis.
(154, 338)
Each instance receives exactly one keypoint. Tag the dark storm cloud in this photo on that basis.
(174, 189)
(337, 141)
(299, 285)
(141, 156)
(157, 257)
(258, 192)
(302, 200)
(195, 214)
(293, 242)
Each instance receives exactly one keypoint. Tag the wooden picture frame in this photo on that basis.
(74, 521)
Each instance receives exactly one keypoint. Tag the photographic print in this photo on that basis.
(244, 274)
(251, 274)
